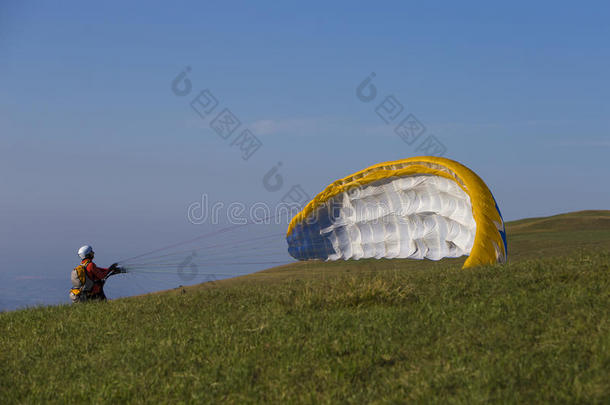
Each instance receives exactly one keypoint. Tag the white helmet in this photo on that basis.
(85, 251)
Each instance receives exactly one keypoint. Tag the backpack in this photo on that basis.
(81, 283)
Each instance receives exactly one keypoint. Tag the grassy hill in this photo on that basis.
(535, 330)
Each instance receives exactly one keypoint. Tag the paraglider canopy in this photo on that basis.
(421, 207)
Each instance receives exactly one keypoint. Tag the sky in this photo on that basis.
(97, 144)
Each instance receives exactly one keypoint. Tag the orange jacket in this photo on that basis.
(96, 274)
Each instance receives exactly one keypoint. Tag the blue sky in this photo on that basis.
(96, 147)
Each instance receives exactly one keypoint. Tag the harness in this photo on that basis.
(81, 283)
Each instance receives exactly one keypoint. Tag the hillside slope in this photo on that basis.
(559, 234)
(535, 330)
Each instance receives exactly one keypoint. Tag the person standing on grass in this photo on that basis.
(88, 279)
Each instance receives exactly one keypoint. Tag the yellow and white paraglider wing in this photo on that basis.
(422, 207)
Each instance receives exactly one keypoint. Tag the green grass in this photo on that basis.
(535, 330)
